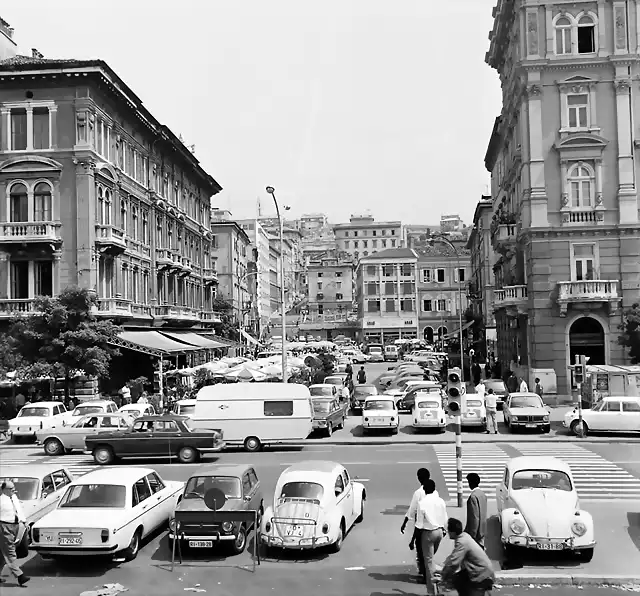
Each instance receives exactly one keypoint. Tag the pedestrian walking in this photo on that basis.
(487, 370)
(481, 390)
(362, 376)
(11, 516)
(468, 567)
(524, 388)
(539, 389)
(476, 510)
(512, 383)
(476, 371)
(491, 408)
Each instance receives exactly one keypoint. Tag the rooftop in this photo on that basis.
(392, 253)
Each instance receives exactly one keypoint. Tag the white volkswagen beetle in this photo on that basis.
(539, 509)
(107, 512)
(315, 504)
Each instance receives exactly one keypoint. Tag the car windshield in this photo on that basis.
(302, 490)
(497, 386)
(556, 479)
(321, 407)
(359, 390)
(38, 412)
(112, 496)
(84, 410)
(378, 404)
(321, 390)
(198, 486)
(333, 381)
(26, 488)
(526, 402)
(185, 410)
(428, 404)
(474, 403)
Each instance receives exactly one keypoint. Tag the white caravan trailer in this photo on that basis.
(255, 414)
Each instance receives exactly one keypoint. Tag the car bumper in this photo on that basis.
(531, 425)
(429, 424)
(296, 543)
(549, 544)
(320, 425)
(72, 551)
(207, 538)
(14, 432)
(380, 426)
(215, 449)
(472, 422)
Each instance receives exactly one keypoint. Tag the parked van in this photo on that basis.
(391, 353)
(255, 414)
(376, 353)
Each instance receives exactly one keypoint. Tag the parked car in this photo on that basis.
(376, 354)
(539, 509)
(526, 410)
(407, 400)
(34, 417)
(92, 406)
(65, 439)
(155, 436)
(499, 388)
(328, 414)
(241, 488)
(391, 354)
(473, 411)
(185, 407)
(616, 413)
(315, 504)
(107, 512)
(39, 488)
(336, 379)
(360, 394)
(138, 409)
(427, 411)
(380, 413)
(356, 356)
(323, 390)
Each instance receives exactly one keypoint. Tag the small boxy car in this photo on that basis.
(360, 394)
(323, 390)
(428, 411)
(473, 411)
(314, 505)
(526, 410)
(616, 413)
(107, 512)
(34, 417)
(240, 486)
(328, 414)
(380, 413)
(138, 409)
(539, 509)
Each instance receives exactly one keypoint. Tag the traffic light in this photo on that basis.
(579, 370)
(156, 381)
(455, 389)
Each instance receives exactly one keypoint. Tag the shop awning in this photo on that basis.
(454, 334)
(152, 342)
(249, 338)
(228, 343)
(194, 339)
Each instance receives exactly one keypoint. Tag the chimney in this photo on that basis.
(36, 54)
(8, 47)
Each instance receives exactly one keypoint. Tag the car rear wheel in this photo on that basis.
(240, 543)
(103, 455)
(131, 552)
(53, 447)
(188, 455)
(360, 518)
(337, 545)
(252, 444)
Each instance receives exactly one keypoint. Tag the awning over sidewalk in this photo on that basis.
(454, 334)
(194, 339)
(152, 342)
(249, 338)
(228, 343)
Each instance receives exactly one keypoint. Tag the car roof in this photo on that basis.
(31, 470)
(536, 462)
(186, 402)
(524, 394)
(135, 406)
(363, 386)
(102, 414)
(316, 465)
(94, 402)
(114, 475)
(161, 417)
(621, 398)
(43, 403)
(222, 469)
(321, 385)
(326, 398)
(382, 397)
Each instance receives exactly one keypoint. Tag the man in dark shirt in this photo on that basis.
(362, 376)
(476, 510)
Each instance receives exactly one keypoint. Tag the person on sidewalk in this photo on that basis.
(491, 408)
(524, 388)
(539, 389)
(468, 567)
(512, 383)
(431, 520)
(11, 516)
(481, 390)
(362, 376)
(476, 510)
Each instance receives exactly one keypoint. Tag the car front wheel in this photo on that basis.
(240, 543)
(53, 447)
(103, 456)
(187, 455)
(579, 430)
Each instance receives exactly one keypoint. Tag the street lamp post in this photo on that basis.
(272, 192)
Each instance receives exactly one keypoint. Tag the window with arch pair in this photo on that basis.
(103, 211)
(30, 203)
(581, 183)
(575, 35)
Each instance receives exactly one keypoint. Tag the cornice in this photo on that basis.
(544, 234)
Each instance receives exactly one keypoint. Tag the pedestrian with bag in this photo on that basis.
(476, 510)
(11, 516)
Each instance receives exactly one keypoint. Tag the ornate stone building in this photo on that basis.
(564, 193)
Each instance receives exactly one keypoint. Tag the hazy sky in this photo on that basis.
(343, 105)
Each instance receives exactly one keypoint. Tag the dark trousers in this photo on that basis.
(465, 587)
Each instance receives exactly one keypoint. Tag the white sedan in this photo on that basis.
(34, 417)
(107, 512)
(610, 414)
(138, 409)
(539, 509)
(428, 411)
(314, 505)
(380, 413)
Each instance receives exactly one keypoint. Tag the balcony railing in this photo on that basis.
(582, 216)
(510, 296)
(29, 232)
(595, 290)
(164, 258)
(141, 310)
(179, 313)
(10, 307)
(111, 238)
(210, 316)
(210, 275)
(114, 307)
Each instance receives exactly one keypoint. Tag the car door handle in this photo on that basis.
(145, 506)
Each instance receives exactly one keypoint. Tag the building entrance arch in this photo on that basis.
(587, 338)
(428, 334)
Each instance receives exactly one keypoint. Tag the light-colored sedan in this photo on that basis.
(65, 439)
(610, 414)
(33, 417)
(380, 413)
(138, 409)
(526, 410)
(107, 512)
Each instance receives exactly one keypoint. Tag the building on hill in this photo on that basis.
(363, 236)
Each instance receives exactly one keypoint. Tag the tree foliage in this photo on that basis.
(228, 326)
(64, 336)
(630, 332)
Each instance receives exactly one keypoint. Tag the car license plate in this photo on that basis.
(69, 540)
(378, 420)
(200, 543)
(550, 545)
(425, 415)
(295, 531)
(531, 425)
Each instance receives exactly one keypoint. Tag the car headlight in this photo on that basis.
(545, 419)
(517, 526)
(579, 528)
(514, 418)
(227, 526)
(172, 524)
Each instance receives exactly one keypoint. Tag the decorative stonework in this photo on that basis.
(85, 164)
(620, 19)
(532, 33)
(622, 86)
(534, 90)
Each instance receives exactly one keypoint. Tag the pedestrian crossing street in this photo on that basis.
(595, 477)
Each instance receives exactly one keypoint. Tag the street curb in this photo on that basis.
(555, 579)
(468, 440)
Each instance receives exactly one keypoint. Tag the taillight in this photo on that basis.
(267, 527)
(366, 420)
(35, 535)
(392, 419)
(104, 535)
(325, 529)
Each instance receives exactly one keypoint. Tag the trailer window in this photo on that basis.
(278, 408)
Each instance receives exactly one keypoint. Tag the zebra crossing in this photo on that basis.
(596, 478)
(77, 465)
(487, 460)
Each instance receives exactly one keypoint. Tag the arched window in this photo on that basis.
(100, 206)
(442, 331)
(563, 35)
(586, 35)
(18, 202)
(107, 208)
(581, 182)
(42, 202)
(428, 334)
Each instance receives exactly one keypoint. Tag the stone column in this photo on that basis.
(86, 268)
(551, 40)
(538, 191)
(29, 128)
(5, 263)
(533, 34)
(53, 127)
(620, 27)
(57, 256)
(117, 274)
(602, 30)
(627, 194)
(5, 139)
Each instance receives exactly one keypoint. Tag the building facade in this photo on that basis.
(96, 193)
(386, 294)
(481, 282)
(563, 170)
(442, 291)
(363, 236)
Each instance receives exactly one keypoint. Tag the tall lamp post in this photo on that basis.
(272, 192)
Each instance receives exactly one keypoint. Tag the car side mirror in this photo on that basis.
(247, 499)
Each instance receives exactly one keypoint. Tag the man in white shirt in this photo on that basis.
(491, 408)
(480, 390)
(11, 516)
(431, 520)
(524, 388)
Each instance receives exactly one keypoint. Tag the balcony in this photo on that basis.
(165, 260)
(210, 276)
(513, 298)
(186, 267)
(176, 314)
(11, 307)
(582, 294)
(141, 310)
(210, 316)
(30, 232)
(583, 217)
(114, 307)
(110, 239)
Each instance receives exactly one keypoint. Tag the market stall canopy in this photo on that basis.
(249, 338)
(151, 342)
(189, 337)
